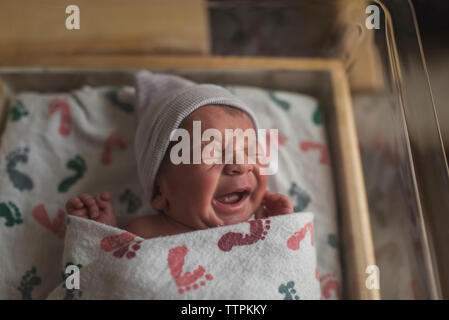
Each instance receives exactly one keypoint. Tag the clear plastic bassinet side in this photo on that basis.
(404, 164)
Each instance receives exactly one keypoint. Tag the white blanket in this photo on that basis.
(260, 259)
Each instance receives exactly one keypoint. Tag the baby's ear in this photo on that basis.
(159, 202)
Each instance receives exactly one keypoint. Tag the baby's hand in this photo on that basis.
(273, 204)
(97, 208)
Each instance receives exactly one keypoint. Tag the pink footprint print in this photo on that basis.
(188, 280)
(122, 243)
(258, 231)
(112, 141)
(294, 241)
(57, 226)
(329, 283)
(281, 141)
(309, 145)
(65, 124)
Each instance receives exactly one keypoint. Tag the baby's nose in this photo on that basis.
(236, 169)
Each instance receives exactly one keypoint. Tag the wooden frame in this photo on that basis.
(323, 78)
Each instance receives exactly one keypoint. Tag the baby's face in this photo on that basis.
(208, 195)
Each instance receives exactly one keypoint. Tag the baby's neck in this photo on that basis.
(175, 225)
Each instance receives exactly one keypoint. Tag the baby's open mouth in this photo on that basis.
(232, 202)
(233, 197)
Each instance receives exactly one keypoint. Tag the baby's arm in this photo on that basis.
(97, 208)
(273, 204)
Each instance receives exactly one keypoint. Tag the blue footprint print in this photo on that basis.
(78, 165)
(113, 96)
(10, 213)
(302, 198)
(131, 200)
(332, 240)
(19, 180)
(288, 290)
(29, 281)
(282, 103)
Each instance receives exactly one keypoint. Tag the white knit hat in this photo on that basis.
(163, 102)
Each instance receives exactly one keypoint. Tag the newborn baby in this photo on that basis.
(188, 196)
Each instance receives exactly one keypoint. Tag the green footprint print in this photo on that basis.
(132, 200)
(282, 103)
(29, 281)
(11, 213)
(302, 198)
(70, 294)
(113, 96)
(19, 180)
(18, 111)
(332, 240)
(78, 165)
(316, 116)
(288, 290)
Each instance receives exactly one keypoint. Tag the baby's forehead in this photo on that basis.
(218, 114)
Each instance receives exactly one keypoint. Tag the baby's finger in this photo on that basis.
(87, 199)
(77, 203)
(73, 204)
(105, 196)
(261, 212)
(91, 204)
(82, 213)
(102, 204)
(278, 203)
(274, 199)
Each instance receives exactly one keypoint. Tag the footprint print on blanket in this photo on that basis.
(282, 103)
(29, 281)
(107, 149)
(288, 291)
(131, 200)
(302, 197)
(294, 241)
(329, 284)
(307, 146)
(11, 213)
(332, 240)
(281, 139)
(57, 226)
(65, 120)
(78, 165)
(316, 116)
(113, 96)
(258, 231)
(19, 180)
(18, 111)
(124, 243)
(188, 280)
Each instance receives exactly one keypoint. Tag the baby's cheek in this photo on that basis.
(203, 192)
(260, 191)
